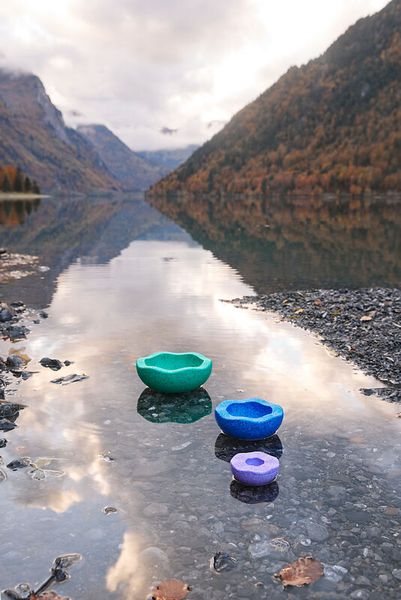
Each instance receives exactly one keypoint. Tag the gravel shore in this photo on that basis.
(362, 326)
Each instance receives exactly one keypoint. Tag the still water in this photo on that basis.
(124, 281)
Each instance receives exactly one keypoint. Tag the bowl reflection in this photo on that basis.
(185, 407)
(254, 494)
(226, 447)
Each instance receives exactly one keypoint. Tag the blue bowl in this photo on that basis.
(249, 419)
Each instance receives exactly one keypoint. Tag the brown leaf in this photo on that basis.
(171, 589)
(303, 571)
(299, 311)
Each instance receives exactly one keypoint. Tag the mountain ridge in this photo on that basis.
(34, 137)
(332, 125)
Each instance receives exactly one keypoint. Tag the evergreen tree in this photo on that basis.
(18, 181)
(35, 187)
(6, 186)
(27, 184)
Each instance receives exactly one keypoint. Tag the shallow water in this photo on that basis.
(124, 282)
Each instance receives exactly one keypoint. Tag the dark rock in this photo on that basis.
(43, 314)
(17, 332)
(6, 425)
(15, 362)
(19, 463)
(5, 315)
(222, 561)
(52, 363)
(68, 363)
(9, 410)
(73, 378)
(3, 442)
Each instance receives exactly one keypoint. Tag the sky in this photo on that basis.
(166, 73)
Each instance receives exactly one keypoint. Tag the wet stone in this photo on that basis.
(316, 532)
(6, 425)
(52, 363)
(19, 463)
(396, 573)
(223, 562)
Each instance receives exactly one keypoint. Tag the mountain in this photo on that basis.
(34, 137)
(132, 170)
(168, 160)
(332, 125)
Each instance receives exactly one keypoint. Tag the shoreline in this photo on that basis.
(362, 326)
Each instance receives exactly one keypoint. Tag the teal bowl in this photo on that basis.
(173, 373)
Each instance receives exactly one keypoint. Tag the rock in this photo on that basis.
(360, 595)
(275, 548)
(396, 573)
(6, 425)
(19, 463)
(334, 573)
(156, 510)
(15, 362)
(9, 410)
(222, 561)
(3, 443)
(316, 532)
(43, 314)
(73, 378)
(108, 510)
(5, 315)
(52, 363)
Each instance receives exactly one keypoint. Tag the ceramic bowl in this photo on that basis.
(249, 419)
(254, 468)
(173, 373)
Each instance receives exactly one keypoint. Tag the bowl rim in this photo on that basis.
(221, 410)
(141, 362)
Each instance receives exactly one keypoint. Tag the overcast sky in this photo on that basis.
(166, 73)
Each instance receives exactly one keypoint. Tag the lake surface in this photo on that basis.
(125, 281)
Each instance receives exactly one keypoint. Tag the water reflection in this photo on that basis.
(293, 243)
(254, 494)
(226, 447)
(174, 506)
(187, 407)
(13, 213)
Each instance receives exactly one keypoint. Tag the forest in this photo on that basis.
(332, 125)
(12, 179)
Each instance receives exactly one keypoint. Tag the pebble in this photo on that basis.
(316, 532)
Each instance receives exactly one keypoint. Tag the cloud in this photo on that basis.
(137, 64)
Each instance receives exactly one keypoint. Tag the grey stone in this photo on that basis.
(316, 532)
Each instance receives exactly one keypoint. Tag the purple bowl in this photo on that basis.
(254, 468)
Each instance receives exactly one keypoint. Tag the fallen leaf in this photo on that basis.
(303, 571)
(299, 311)
(366, 318)
(171, 589)
(317, 302)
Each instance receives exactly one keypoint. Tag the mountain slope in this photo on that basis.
(168, 159)
(131, 170)
(34, 137)
(332, 125)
